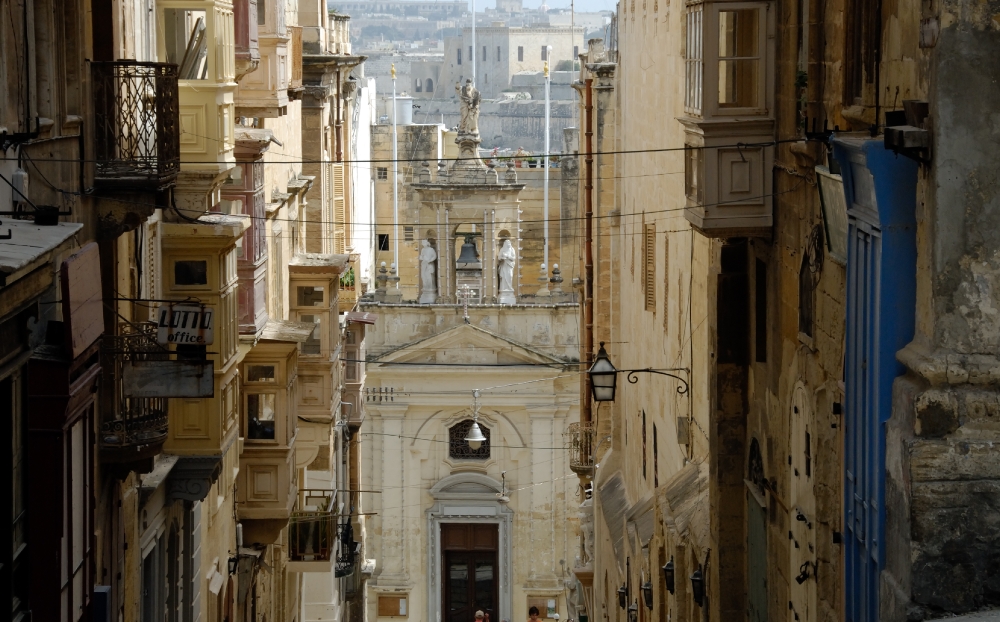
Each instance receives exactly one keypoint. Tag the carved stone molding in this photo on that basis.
(192, 477)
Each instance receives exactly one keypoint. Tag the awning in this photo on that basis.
(29, 245)
(361, 317)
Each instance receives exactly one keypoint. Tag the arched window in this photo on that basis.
(418, 85)
(458, 447)
(430, 86)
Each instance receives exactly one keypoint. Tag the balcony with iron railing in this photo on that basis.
(582, 448)
(136, 125)
(317, 541)
(131, 428)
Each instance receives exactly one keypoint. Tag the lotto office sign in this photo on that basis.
(186, 325)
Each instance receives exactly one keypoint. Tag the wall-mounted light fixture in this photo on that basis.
(604, 376)
(623, 596)
(668, 574)
(647, 594)
(698, 587)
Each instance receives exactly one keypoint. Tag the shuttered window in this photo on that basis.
(339, 209)
(649, 266)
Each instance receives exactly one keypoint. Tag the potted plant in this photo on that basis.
(532, 162)
(553, 161)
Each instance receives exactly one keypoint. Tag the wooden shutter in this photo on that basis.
(666, 278)
(339, 209)
(649, 266)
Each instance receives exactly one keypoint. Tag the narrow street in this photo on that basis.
(437, 311)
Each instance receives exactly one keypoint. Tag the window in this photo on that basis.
(190, 273)
(760, 312)
(459, 50)
(666, 279)
(739, 58)
(382, 173)
(861, 40)
(458, 447)
(656, 458)
(260, 416)
(545, 52)
(260, 373)
(520, 53)
(470, 54)
(309, 296)
(498, 53)
(408, 234)
(693, 68)
(693, 170)
(430, 86)
(186, 42)
(418, 85)
(383, 241)
(805, 298)
(576, 52)
(314, 344)
(649, 266)
(484, 53)
(644, 444)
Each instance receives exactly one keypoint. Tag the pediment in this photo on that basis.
(466, 345)
(467, 486)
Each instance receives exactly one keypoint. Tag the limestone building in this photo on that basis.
(467, 342)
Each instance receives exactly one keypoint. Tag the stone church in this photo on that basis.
(465, 349)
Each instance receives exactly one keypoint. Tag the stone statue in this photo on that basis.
(507, 257)
(468, 97)
(428, 284)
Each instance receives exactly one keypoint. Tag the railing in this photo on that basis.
(137, 130)
(134, 427)
(346, 560)
(311, 532)
(581, 448)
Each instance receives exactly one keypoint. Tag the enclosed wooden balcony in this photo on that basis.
(268, 425)
(136, 124)
(312, 533)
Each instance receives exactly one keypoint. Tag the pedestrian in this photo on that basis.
(480, 616)
(533, 614)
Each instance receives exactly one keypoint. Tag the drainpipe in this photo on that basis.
(338, 122)
(588, 286)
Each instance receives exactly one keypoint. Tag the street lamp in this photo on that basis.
(647, 594)
(698, 587)
(633, 612)
(603, 378)
(623, 596)
(475, 437)
(668, 574)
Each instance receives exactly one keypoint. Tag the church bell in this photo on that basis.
(469, 255)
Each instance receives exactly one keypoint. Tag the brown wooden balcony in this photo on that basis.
(581, 448)
(136, 124)
(312, 534)
(132, 428)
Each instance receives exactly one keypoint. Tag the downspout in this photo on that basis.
(337, 122)
(588, 286)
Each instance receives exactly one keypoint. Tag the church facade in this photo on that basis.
(468, 501)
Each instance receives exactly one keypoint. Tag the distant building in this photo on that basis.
(510, 6)
(431, 9)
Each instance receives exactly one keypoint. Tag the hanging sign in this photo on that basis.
(186, 325)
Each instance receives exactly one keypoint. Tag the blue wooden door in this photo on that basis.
(864, 445)
(880, 189)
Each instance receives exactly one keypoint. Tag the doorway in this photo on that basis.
(470, 570)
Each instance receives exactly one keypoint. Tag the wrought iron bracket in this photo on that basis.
(630, 375)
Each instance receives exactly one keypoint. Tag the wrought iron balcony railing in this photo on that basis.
(133, 428)
(347, 558)
(137, 128)
(581, 448)
(312, 534)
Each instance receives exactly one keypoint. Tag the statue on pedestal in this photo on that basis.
(428, 284)
(507, 258)
(468, 97)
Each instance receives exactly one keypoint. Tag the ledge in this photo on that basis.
(945, 367)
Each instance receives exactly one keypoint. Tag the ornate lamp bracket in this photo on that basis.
(682, 389)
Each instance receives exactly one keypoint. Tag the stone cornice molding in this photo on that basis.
(941, 367)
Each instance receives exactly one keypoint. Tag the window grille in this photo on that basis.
(693, 67)
(458, 447)
(408, 234)
(649, 266)
(382, 173)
